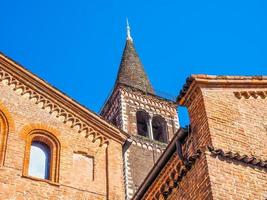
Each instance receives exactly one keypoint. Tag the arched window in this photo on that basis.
(42, 156)
(39, 165)
(159, 129)
(142, 119)
(3, 137)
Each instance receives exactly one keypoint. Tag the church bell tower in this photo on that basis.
(149, 119)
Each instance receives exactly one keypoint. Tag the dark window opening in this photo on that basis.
(114, 121)
(142, 123)
(159, 129)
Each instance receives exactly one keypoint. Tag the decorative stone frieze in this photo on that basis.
(148, 100)
(147, 143)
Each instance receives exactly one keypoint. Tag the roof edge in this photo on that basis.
(43, 87)
(225, 80)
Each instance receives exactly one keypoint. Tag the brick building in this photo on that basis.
(76, 153)
(51, 147)
(54, 148)
(223, 154)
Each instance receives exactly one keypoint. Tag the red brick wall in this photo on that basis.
(134, 101)
(235, 180)
(199, 136)
(141, 160)
(108, 163)
(235, 124)
(229, 115)
(223, 119)
(196, 183)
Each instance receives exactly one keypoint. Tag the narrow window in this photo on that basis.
(142, 123)
(159, 129)
(39, 165)
(114, 121)
(42, 153)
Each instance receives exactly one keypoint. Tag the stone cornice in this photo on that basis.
(195, 81)
(86, 122)
(147, 143)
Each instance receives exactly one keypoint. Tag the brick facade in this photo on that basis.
(131, 94)
(224, 153)
(140, 153)
(28, 112)
(221, 155)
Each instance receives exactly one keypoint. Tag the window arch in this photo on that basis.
(3, 137)
(39, 163)
(42, 156)
(142, 121)
(159, 129)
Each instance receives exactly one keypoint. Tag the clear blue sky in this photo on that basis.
(77, 45)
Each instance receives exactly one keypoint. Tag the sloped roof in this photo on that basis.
(131, 71)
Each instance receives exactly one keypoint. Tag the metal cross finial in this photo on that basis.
(128, 30)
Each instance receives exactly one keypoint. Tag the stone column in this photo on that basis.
(150, 129)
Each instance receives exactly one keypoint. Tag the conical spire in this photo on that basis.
(131, 71)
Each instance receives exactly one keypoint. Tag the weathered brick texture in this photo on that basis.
(196, 183)
(228, 126)
(103, 178)
(235, 124)
(143, 152)
(229, 113)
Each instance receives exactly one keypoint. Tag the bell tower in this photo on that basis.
(149, 119)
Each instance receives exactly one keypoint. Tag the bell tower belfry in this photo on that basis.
(149, 119)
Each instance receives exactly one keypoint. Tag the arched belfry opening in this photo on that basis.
(142, 119)
(159, 129)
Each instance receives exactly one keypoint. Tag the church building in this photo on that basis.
(51, 147)
(150, 120)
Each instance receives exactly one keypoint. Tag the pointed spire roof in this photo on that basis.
(131, 71)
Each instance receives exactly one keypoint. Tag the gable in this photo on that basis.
(48, 98)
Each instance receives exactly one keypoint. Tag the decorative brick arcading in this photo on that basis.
(136, 97)
(223, 81)
(146, 143)
(7, 115)
(6, 125)
(48, 103)
(250, 94)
